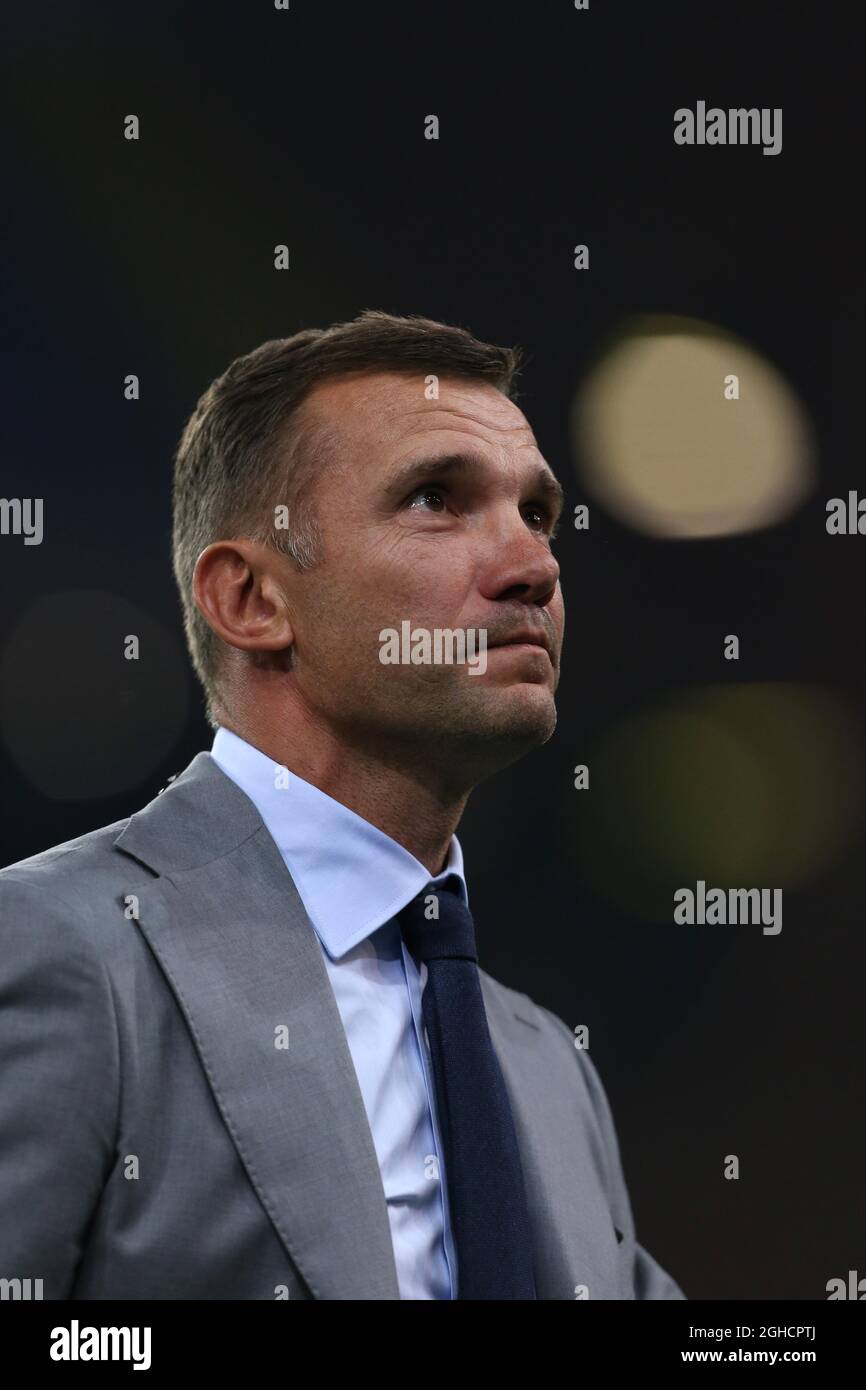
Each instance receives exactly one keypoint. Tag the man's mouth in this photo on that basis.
(524, 638)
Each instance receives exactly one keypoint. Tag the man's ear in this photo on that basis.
(237, 590)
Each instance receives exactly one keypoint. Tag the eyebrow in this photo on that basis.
(543, 481)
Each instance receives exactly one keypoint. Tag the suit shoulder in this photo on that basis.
(53, 866)
(70, 888)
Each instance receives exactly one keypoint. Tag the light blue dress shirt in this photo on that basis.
(353, 879)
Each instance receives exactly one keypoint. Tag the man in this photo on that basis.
(246, 1049)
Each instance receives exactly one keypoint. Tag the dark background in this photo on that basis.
(156, 257)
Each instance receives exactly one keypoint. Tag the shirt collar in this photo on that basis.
(351, 877)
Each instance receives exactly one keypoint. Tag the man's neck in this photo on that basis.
(399, 800)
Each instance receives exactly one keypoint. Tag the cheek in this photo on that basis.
(384, 586)
(557, 611)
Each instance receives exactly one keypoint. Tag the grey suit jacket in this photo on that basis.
(155, 1142)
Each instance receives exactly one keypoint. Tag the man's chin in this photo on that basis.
(535, 726)
(514, 721)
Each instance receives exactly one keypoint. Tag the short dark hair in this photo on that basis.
(249, 440)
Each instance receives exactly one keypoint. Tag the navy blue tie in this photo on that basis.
(487, 1196)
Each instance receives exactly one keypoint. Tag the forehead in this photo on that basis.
(386, 415)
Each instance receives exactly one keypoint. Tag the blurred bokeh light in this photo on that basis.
(757, 785)
(662, 447)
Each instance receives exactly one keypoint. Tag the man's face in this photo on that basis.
(440, 545)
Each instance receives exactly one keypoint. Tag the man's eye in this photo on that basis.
(545, 521)
(438, 493)
(426, 492)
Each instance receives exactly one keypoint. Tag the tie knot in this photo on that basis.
(437, 924)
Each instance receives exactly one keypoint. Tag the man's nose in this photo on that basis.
(521, 564)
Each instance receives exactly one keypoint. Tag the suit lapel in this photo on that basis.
(227, 925)
(547, 1152)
